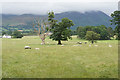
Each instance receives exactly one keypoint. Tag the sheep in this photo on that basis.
(37, 48)
(85, 42)
(79, 42)
(27, 47)
(62, 45)
(41, 43)
(110, 45)
(89, 45)
(96, 45)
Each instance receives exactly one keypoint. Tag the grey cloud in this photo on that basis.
(57, 7)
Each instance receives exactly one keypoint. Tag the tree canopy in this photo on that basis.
(105, 33)
(17, 34)
(60, 30)
(116, 21)
(92, 36)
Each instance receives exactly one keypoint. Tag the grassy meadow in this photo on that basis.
(70, 60)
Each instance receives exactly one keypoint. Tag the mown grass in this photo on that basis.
(55, 61)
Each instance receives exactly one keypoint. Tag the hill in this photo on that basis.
(91, 18)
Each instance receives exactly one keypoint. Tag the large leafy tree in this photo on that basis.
(116, 21)
(60, 30)
(92, 36)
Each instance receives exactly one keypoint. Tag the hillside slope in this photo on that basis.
(91, 18)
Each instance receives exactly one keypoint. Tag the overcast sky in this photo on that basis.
(42, 7)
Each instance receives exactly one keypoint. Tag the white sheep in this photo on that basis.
(89, 45)
(96, 45)
(27, 47)
(110, 45)
(79, 42)
(62, 45)
(37, 48)
(41, 43)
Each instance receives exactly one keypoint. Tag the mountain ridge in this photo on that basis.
(88, 18)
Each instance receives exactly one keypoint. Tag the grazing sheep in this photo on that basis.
(85, 42)
(96, 45)
(62, 45)
(27, 47)
(37, 48)
(41, 43)
(110, 45)
(79, 42)
(89, 45)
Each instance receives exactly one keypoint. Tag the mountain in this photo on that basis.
(91, 18)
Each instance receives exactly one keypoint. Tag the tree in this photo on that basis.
(9, 32)
(81, 31)
(60, 30)
(110, 32)
(73, 32)
(102, 30)
(92, 36)
(116, 21)
(41, 28)
(3, 33)
(104, 35)
(17, 34)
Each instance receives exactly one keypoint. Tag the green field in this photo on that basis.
(56, 61)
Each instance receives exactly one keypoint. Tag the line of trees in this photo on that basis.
(104, 32)
(14, 34)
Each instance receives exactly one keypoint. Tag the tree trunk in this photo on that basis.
(42, 37)
(92, 41)
(59, 42)
(43, 41)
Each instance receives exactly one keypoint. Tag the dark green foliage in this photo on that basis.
(17, 34)
(110, 31)
(92, 36)
(3, 32)
(81, 32)
(60, 30)
(116, 21)
(116, 18)
(9, 32)
(105, 33)
(73, 32)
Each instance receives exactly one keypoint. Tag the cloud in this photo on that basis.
(44, 7)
